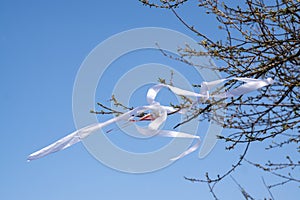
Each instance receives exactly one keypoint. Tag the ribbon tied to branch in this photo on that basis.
(158, 115)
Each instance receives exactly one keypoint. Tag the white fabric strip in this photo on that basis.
(172, 134)
(153, 91)
(249, 86)
(61, 144)
(158, 113)
(80, 134)
(190, 150)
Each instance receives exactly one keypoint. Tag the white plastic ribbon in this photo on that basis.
(173, 134)
(158, 114)
(249, 86)
(80, 134)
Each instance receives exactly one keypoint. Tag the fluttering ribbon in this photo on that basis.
(158, 115)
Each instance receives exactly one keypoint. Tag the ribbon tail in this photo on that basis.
(249, 86)
(78, 135)
(176, 134)
(61, 144)
(188, 151)
(66, 141)
(246, 88)
(172, 134)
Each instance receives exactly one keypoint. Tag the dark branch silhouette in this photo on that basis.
(259, 40)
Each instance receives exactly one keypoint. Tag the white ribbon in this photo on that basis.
(173, 134)
(80, 134)
(249, 86)
(158, 113)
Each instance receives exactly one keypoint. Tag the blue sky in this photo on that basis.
(42, 45)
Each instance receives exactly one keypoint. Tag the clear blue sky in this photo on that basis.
(42, 45)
